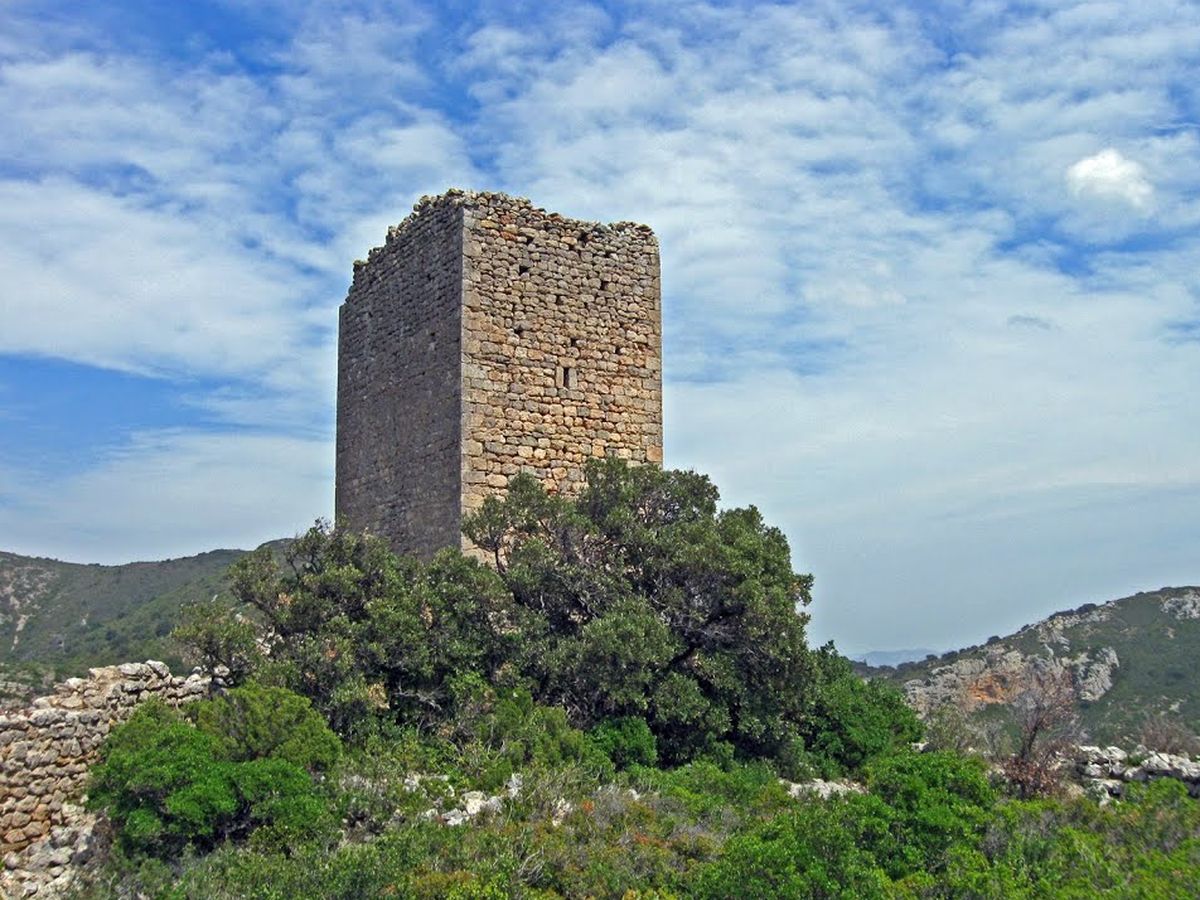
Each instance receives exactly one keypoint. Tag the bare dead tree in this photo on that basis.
(1047, 724)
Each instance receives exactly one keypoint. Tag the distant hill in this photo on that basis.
(878, 658)
(59, 618)
(1130, 658)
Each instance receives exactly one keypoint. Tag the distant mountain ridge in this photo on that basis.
(878, 658)
(1130, 659)
(57, 619)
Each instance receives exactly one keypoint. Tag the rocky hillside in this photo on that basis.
(57, 619)
(1129, 659)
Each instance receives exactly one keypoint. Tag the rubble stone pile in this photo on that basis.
(1105, 771)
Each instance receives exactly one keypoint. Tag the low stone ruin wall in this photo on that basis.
(1105, 771)
(45, 750)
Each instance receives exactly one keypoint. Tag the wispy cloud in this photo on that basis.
(915, 295)
(171, 493)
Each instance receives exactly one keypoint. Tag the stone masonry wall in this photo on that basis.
(45, 750)
(399, 385)
(562, 345)
(487, 337)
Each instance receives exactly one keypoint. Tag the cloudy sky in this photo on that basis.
(930, 268)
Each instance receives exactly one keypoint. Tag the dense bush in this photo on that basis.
(254, 721)
(921, 810)
(362, 633)
(936, 801)
(641, 599)
(852, 720)
(814, 850)
(167, 785)
(626, 741)
(497, 733)
(637, 600)
(1147, 846)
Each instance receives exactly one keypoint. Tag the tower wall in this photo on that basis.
(488, 337)
(562, 345)
(400, 387)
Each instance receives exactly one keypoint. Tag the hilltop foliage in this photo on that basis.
(1151, 642)
(57, 618)
(604, 710)
(638, 601)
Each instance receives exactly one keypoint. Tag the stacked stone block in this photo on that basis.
(485, 338)
(45, 750)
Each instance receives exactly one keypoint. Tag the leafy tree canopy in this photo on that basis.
(637, 600)
(641, 598)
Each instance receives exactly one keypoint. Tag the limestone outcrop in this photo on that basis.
(1000, 674)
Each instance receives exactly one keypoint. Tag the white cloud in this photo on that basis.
(1109, 175)
(170, 494)
(106, 281)
(812, 203)
(887, 319)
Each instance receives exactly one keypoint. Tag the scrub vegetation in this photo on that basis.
(619, 701)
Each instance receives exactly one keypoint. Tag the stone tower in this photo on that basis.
(488, 337)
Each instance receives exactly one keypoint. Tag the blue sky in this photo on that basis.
(929, 268)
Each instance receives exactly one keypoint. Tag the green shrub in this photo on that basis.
(279, 804)
(641, 598)
(163, 785)
(217, 635)
(937, 801)
(853, 721)
(254, 721)
(922, 810)
(1148, 846)
(501, 731)
(818, 849)
(706, 789)
(167, 785)
(627, 741)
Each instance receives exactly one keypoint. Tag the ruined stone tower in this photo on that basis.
(484, 338)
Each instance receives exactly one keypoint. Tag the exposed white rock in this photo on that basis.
(562, 809)
(1107, 769)
(475, 802)
(1094, 676)
(1183, 606)
(821, 788)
